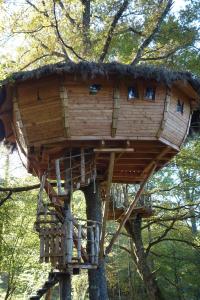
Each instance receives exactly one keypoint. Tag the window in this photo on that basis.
(150, 93)
(180, 106)
(132, 93)
(95, 88)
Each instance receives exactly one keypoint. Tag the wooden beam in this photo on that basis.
(188, 128)
(21, 130)
(165, 114)
(65, 109)
(109, 150)
(129, 210)
(106, 203)
(156, 159)
(116, 107)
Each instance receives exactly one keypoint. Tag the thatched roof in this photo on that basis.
(91, 70)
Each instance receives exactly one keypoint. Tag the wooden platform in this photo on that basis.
(117, 213)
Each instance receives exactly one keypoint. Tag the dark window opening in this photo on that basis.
(180, 106)
(132, 93)
(150, 93)
(95, 88)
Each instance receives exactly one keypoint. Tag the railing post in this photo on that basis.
(79, 242)
(58, 176)
(96, 244)
(91, 236)
(69, 240)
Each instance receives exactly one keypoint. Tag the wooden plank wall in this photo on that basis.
(176, 124)
(41, 109)
(90, 116)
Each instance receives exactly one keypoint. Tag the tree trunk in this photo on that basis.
(65, 286)
(133, 227)
(96, 278)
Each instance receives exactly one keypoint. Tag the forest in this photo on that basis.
(155, 257)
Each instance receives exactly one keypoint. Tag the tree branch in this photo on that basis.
(86, 24)
(35, 60)
(20, 189)
(2, 201)
(160, 238)
(151, 37)
(71, 20)
(167, 55)
(60, 36)
(112, 28)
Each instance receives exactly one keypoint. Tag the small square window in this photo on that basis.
(95, 88)
(150, 93)
(132, 93)
(180, 106)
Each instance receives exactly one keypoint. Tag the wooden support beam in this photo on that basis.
(106, 203)
(129, 210)
(109, 150)
(58, 177)
(21, 130)
(65, 109)
(116, 107)
(156, 159)
(165, 114)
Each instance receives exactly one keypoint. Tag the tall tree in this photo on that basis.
(120, 30)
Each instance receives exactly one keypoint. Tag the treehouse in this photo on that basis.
(79, 124)
(142, 113)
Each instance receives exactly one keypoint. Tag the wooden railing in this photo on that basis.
(75, 243)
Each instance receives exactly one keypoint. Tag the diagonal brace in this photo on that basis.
(129, 210)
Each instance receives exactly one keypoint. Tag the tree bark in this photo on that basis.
(96, 278)
(133, 228)
(65, 286)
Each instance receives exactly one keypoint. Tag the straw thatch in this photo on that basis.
(91, 70)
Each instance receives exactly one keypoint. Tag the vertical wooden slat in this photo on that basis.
(96, 257)
(82, 166)
(58, 177)
(42, 245)
(79, 242)
(116, 107)
(107, 199)
(91, 235)
(52, 248)
(65, 110)
(165, 113)
(69, 240)
(46, 245)
(21, 132)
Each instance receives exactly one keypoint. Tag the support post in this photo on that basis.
(65, 278)
(107, 200)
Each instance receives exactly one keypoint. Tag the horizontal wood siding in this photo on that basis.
(177, 123)
(41, 108)
(139, 117)
(90, 116)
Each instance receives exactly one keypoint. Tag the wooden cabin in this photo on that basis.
(142, 113)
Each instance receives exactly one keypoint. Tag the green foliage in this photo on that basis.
(56, 32)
